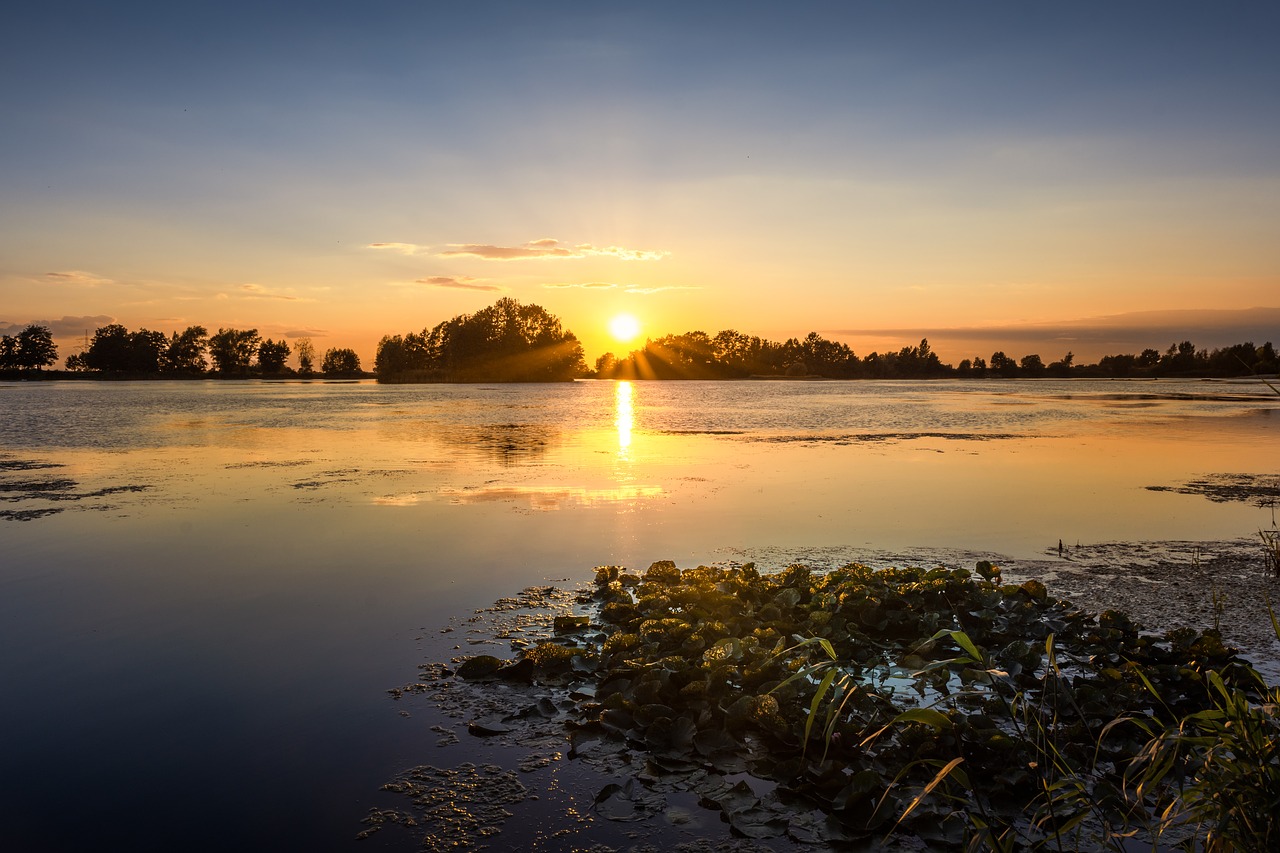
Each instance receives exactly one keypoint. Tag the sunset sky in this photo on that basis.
(1036, 177)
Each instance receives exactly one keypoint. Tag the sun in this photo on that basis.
(624, 328)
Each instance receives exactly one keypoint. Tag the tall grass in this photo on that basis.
(1206, 781)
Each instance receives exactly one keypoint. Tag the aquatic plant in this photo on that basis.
(1216, 772)
(1270, 552)
(942, 703)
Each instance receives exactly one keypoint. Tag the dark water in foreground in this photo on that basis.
(218, 582)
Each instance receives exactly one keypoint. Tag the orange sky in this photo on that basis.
(975, 175)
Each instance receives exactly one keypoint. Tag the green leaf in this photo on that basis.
(963, 641)
(928, 716)
(823, 687)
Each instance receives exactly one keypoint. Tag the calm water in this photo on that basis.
(196, 639)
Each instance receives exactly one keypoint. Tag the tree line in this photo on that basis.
(730, 354)
(115, 350)
(509, 341)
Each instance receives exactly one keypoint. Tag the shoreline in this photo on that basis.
(1161, 584)
(509, 734)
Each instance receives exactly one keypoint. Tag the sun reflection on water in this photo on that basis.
(624, 418)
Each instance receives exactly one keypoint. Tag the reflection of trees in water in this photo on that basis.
(509, 444)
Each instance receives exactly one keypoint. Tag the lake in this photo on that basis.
(207, 588)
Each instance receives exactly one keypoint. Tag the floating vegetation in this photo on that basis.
(857, 437)
(1260, 489)
(54, 490)
(850, 706)
(462, 805)
(28, 514)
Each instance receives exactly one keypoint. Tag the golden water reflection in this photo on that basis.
(548, 497)
(624, 417)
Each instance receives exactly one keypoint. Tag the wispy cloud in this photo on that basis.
(63, 328)
(402, 248)
(587, 285)
(77, 277)
(547, 247)
(648, 291)
(306, 333)
(1089, 337)
(1136, 325)
(257, 291)
(459, 283)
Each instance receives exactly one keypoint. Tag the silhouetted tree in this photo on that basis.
(1179, 360)
(8, 352)
(272, 355)
(1063, 366)
(232, 350)
(146, 349)
(1117, 365)
(400, 355)
(185, 351)
(1031, 366)
(340, 361)
(35, 349)
(111, 349)
(606, 365)
(1003, 365)
(1267, 361)
(306, 355)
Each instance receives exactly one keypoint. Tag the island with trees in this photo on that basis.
(506, 342)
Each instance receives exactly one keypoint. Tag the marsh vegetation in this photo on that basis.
(942, 705)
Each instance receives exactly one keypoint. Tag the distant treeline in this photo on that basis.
(511, 342)
(730, 355)
(116, 351)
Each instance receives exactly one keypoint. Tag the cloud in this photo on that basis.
(547, 247)
(648, 291)
(1091, 337)
(1251, 322)
(78, 277)
(462, 283)
(306, 333)
(65, 328)
(257, 291)
(402, 248)
(589, 285)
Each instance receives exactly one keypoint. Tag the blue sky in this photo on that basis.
(771, 167)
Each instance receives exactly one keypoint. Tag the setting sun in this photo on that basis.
(624, 328)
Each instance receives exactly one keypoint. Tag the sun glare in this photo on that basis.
(624, 328)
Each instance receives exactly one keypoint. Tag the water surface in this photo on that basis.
(219, 581)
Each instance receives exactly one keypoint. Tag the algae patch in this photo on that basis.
(53, 492)
(463, 806)
(1258, 489)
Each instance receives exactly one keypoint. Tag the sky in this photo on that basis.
(1036, 177)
